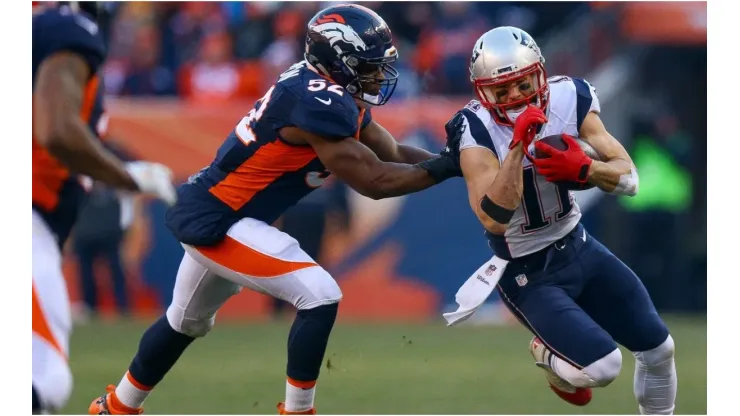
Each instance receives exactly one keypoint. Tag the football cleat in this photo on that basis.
(108, 404)
(578, 396)
(282, 411)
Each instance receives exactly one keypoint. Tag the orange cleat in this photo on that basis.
(282, 411)
(578, 396)
(109, 404)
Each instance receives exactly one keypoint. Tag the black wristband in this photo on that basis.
(583, 173)
(439, 168)
(497, 213)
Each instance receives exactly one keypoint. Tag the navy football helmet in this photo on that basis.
(353, 46)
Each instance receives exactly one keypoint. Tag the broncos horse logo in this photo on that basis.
(334, 29)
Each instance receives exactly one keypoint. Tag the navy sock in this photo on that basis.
(159, 349)
(307, 341)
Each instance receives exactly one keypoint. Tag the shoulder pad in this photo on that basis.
(326, 114)
(321, 107)
(473, 105)
(324, 108)
(573, 98)
(586, 100)
(477, 134)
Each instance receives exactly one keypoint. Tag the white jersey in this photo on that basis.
(547, 212)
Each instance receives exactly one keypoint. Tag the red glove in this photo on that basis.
(570, 165)
(525, 126)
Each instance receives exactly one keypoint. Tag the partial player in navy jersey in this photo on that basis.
(67, 119)
(315, 120)
(575, 296)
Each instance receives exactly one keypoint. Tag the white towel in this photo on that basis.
(476, 290)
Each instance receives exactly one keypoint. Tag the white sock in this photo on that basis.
(566, 371)
(600, 373)
(655, 387)
(655, 379)
(131, 393)
(299, 395)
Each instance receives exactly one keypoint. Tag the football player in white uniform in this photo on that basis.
(572, 293)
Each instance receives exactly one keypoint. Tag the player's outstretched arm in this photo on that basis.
(361, 169)
(617, 174)
(380, 141)
(57, 125)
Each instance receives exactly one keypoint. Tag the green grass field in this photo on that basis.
(370, 369)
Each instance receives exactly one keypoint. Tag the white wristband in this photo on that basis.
(629, 183)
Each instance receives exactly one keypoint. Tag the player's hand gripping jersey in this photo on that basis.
(256, 173)
(547, 212)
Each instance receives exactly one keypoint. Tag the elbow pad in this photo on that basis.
(629, 183)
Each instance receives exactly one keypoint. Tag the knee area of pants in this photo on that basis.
(657, 355)
(604, 370)
(324, 312)
(328, 293)
(192, 327)
(55, 387)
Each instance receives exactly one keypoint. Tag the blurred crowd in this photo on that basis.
(225, 50)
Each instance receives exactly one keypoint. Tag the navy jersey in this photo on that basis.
(57, 193)
(256, 173)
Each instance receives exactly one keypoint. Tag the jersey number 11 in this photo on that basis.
(532, 202)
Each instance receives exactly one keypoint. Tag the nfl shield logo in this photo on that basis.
(490, 270)
(521, 280)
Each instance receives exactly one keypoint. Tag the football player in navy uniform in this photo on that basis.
(571, 292)
(67, 120)
(315, 119)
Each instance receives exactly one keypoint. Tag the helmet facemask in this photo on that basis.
(505, 113)
(376, 79)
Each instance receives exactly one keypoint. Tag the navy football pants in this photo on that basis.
(581, 300)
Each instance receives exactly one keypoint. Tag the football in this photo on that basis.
(557, 142)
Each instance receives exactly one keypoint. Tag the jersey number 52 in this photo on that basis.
(244, 129)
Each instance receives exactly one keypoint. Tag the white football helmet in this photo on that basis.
(503, 55)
